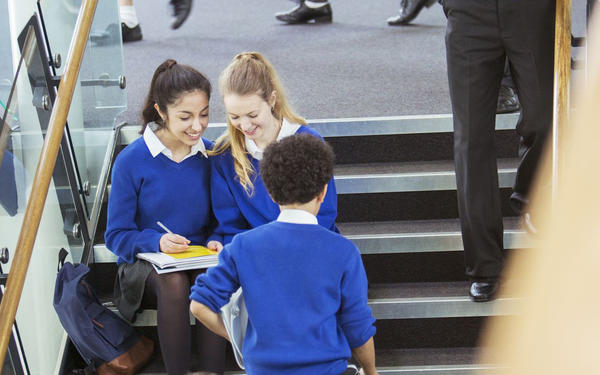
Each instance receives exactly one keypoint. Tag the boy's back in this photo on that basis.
(305, 289)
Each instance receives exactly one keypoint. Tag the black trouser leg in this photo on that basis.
(476, 61)
(480, 33)
(527, 31)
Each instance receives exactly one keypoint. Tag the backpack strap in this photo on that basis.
(62, 255)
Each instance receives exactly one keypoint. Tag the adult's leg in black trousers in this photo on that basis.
(169, 294)
(210, 346)
(476, 60)
(527, 30)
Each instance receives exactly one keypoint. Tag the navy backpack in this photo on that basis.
(105, 341)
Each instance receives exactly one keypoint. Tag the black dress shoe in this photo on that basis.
(482, 291)
(409, 10)
(508, 101)
(181, 11)
(130, 34)
(305, 14)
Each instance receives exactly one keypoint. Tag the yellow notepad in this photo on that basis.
(194, 251)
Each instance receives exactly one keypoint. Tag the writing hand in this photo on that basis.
(173, 243)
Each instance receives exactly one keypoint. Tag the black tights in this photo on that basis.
(169, 294)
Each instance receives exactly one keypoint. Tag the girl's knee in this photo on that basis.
(175, 285)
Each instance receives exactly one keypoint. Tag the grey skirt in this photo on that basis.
(129, 287)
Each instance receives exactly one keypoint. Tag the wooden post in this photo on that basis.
(562, 75)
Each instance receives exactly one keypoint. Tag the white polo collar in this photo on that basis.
(297, 217)
(156, 146)
(286, 130)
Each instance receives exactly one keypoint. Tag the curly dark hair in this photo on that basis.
(296, 168)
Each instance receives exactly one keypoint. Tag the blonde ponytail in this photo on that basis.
(250, 73)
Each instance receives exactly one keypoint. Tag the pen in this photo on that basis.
(163, 227)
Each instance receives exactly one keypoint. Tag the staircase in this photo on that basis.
(397, 203)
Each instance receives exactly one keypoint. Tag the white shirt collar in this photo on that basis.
(297, 217)
(286, 130)
(156, 146)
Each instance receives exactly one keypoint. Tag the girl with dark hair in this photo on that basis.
(258, 113)
(164, 176)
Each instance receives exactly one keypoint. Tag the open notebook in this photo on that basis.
(193, 258)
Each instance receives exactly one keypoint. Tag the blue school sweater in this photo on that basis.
(148, 189)
(237, 212)
(305, 289)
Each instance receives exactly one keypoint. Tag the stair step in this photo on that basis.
(421, 236)
(406, 177)
(363, 126)
(412, 124)
(434, 300)
(103, 255)
(428, 361)
(409, 301)
(393, 237)
(409, 176)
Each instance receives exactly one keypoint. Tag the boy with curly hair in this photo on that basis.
(304, 286)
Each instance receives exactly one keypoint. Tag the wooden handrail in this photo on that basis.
(43, 174)
(4, 136)
(562, 76)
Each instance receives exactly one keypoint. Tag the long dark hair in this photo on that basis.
(170, 81)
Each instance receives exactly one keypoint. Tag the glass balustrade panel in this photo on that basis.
(100, 94)
(21, 140)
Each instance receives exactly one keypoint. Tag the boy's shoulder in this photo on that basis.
(302, 231)
(308, 130)
(208, 144)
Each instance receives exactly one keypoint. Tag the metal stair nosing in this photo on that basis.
(392, 243)
(441, 307)
(469, 369)
(409, 182)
